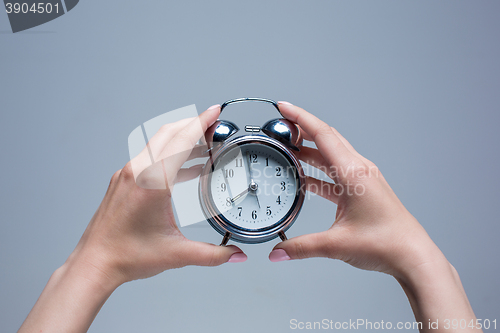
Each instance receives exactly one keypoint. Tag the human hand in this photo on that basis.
(372, 229)
(133, 234)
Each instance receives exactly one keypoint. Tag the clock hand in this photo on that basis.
(256, 197)
(240, 195)
(253, 186)
(249, 167)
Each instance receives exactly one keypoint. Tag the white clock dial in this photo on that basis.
(253, 186)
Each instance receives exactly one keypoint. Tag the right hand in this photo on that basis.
(372, 229)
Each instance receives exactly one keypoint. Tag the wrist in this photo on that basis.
(433, 286)
(95, 272)
(416, 255)
(428, 273)
(75, 293)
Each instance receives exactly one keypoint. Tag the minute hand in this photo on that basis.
(240, 195)
(249, 167)
(253, 185)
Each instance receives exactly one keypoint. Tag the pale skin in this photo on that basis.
(133, 234)
(372, 229)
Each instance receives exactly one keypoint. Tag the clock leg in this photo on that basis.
(282, 235)
(225, 239)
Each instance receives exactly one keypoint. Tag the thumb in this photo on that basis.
(205, 254)
(320, 244)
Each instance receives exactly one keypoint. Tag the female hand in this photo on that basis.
(372, 229)
(132, 235)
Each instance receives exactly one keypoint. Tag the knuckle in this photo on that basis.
(115, 177)
(127, 172)
(321, 130)
(300, 250)
(213, 258)
(190, 138)
(362, 171)
(152, 177)
(356, 171)
(165, 128)
(373, 170)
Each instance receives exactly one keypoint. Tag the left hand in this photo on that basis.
(133, 234)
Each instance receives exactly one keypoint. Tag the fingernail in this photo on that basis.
(238, 257)
(278, 255)
(216, 106)
(285, 103)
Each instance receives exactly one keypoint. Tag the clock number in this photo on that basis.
(278, 171)
(229, 202)
(278, 200)
(229, 173)
(283, 186)
(254, 214)
(267, 161)
(223, 187)
(268, 210)
(253, 158)
(239, 211)
(239, 162)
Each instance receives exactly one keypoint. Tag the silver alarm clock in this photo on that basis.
(251, 189)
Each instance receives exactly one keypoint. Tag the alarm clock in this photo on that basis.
(251, 189)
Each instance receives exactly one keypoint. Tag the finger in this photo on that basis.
(149, 154)
(305, 136)
(179, 148)
(198, 151)
(185, 174)
(153, 176)
(348, 145)
(164, 135)
(301, 247)
(317, 157)
(205, 254)
(331, 147)
(313, 157)
(324, 189)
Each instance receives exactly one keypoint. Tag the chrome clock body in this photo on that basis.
(252, 188)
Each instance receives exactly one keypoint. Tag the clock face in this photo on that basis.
(253, 185)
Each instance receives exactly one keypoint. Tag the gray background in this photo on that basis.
(414, 86)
